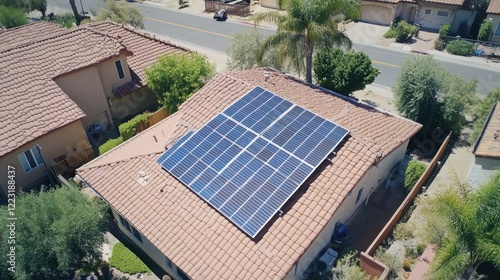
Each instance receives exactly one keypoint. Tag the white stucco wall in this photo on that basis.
(482, 169)
(495, 20)
(372, 179)
(148, 248)
(433, 21)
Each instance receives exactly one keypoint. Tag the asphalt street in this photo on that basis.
(210, 34)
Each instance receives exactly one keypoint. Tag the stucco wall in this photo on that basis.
(60, 142)
(84, 87)
(109, 75)
(134, 103)
(273, 4)
(147, 247)
(462, 17)
(370, 180)
(494, 23)
(482, 169)
(433, 21)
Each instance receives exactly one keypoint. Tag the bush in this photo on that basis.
(67, 20)
(10, 17)
(391, 33)
(485, 30)
(413, 172)
(127, 128)
(407, 264)
(420, 249)
(445, 29)
(110, 144)
(405, 31)
(439, 44)
(460, 47)
(403, 231)
(126, 261)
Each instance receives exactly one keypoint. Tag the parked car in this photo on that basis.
(220, 15)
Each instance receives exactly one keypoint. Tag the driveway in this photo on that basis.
(365, 33)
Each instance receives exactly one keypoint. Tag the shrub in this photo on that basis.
(407, 264)
(110, 144)
(403, 231)
(460, 47)
(445, 29)
(126, 261)
(439, 44)
(67, 20)
(10, 17)
(420, 249)
(391, 33)
(405, 31)
(413, 172)
(127, 128)
(485, 30)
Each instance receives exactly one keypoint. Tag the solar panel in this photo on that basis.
(250, 159)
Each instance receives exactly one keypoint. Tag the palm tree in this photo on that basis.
(306, 25)
(472, 220)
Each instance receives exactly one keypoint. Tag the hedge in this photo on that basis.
(110, 144)
(460, 47)
(127, 129)
(126, 261)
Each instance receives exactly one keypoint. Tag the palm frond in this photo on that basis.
(272, 17)
(450, 261)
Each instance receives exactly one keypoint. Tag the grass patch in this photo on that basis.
(126, 261)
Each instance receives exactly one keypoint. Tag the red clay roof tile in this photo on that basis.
(229, 252)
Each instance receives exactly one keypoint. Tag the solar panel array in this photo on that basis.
(250, 159)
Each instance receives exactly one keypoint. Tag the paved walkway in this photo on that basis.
(423, 264)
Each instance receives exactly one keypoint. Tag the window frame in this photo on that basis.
(497, 31)
(32, 153)
(119, 62)
(136, 233)
(125, 223)
(430, 12)
(447, 14)
(358, 197)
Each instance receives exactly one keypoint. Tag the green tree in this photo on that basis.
(120, 12)
(414, 170)
(11, 17)
(472, 221)
(26, 5)
(57, 231)
(347, 268)
(482, 110)
(243, 50)
(307, 25)
(485, 30)
(426, 93)
(176, 76)
(343, 72)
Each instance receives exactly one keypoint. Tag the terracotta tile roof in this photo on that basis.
(447, 2)
(32, 103)
(488, 143)
(29, 32)
(196, 237)
(146, 48)
(385, 1)
(494, 7)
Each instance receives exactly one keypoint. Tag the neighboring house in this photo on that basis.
(58, 82)
(493, 14)
(189, 238)
(429, 14)
(487, 150)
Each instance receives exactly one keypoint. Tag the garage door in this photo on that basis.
(376, 14)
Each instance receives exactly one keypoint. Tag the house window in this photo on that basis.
(119, 69)
(125, 223)
(30, 159)
(497, 32)
(428, 11)
(136, 234)
(443, 14)
(360, 192)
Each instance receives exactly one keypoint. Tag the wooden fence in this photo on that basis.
(369, 264)
(153, 119)
(68, 163)
(238, 9)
